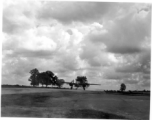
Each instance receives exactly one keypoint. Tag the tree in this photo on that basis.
(81, 79)
(122, 87)
(33, 77)
(50, 73)
(46, 78)
(54, 80)
(60, 82)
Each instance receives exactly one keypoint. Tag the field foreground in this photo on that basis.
(63, 103)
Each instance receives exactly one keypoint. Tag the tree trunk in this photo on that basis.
(83, 88)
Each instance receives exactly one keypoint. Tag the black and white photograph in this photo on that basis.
(76, 59)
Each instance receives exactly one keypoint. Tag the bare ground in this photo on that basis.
(62, 103)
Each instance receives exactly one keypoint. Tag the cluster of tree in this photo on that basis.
(44, 78)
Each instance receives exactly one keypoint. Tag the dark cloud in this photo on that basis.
(146, 76)
(133, 68)
(112, 74)
(141, 63)
(146, 83)
(68, 12)
(70, 32)
(124, 49)
(124, 35)
(130, 68)
(130, 81)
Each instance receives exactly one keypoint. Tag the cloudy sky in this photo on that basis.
(107, 42)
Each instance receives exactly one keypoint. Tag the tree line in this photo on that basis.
(43, 78)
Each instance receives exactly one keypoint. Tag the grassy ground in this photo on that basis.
(56, 103)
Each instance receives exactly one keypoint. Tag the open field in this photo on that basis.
(64, 103)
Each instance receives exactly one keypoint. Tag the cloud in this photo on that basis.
(68, 12)
(110, 73)
(139, 63)
(146, 76)
(28, 44)
(69, 31)
(125, 34)
(19, 15)
(107, 42)
(146, 83)
(131, 81)
(40, 48)
(95, 54)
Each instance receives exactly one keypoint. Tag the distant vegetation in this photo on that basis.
(25, 86)
(44, 78)
(49, 78)
(14, 86)
(129, 92)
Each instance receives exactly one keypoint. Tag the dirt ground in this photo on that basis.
(64, 103)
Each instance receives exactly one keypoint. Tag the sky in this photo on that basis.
(108, 42)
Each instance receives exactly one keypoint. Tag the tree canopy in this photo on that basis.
(33, 77)
(122, 87)
(81, 79)
(43, 78)
(60, 82)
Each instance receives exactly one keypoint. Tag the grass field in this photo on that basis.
(64, 103)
